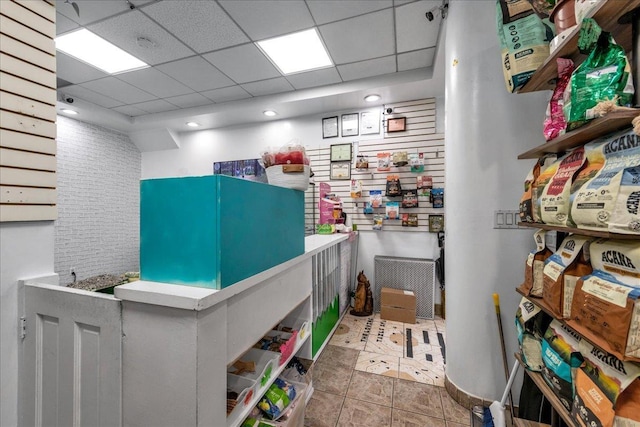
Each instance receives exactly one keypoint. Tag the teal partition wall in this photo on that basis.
(213, 231)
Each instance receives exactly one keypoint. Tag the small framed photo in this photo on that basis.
(340, 171)
(397, 124)
(340, 153)
(436, 223)
(330, 127)
(370, 122)
(350, 124)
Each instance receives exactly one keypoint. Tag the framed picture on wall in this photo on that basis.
(370, 122)
(340, 152)
(340, 171)
(330, 127)
(350, 124)
(397, 124)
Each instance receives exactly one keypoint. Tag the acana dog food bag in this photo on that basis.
(593, 204)
(625, 217)
(547, 171)
(606, 303)
(562, 271)
(554, 201)
(531, 324)
(606, 390)
(534, 266)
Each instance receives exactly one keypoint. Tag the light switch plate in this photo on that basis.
(506, 219)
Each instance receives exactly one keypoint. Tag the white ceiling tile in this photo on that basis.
(64, 24)
(325, 11)
(243, 64)
(268, 18)
(373, 67)
(268, 87)
(326, 76)
(118, 90)
(155, 106)
(414, 31)
(416, 59)
(129, 110)
(189, 100)
(75, 71)
(91, 10)
(155, 82)
(232, 93)
(124, 31)
(187, 19)
(89, 96)
(356, 39)
(196, 73)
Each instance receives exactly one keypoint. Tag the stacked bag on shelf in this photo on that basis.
(595, 187)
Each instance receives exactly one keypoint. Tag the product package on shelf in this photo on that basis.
(555, 123)
(527, 201)
(593, 195)
(607, 390)
(534, 266)
(606, 303)
(625, 218)
(561, 356)
(547, 171)
(524, 40)
(531, 324)
(554, 200)
(562, 271)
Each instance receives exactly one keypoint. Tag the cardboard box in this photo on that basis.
(398, 305)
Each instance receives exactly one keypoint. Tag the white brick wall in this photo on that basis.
(97, 230)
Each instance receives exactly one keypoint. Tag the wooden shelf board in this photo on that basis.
(606, 16)
(583, 332)
(580, 231)
(549, 394)
(612, 122)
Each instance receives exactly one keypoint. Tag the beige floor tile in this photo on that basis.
(411, 419)
(417, 397)
(454, 411)
(350, 335)
(452, 424)
(332, 378)
(422, 371)
(377, 363)
(427, 324)
(386, 338)
(371, 388)
(323, 409)
(356, 413)
(335, 355)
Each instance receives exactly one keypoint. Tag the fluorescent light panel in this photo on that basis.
(297, 52)
(96, 51)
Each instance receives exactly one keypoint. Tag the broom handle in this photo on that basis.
(496, 303)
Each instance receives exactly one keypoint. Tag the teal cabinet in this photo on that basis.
(213, 231)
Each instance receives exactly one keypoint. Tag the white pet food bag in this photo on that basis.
(554, 202)
(625, 218)
(593, 204)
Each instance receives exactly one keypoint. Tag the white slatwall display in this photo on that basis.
(27, 104)
(419, 136)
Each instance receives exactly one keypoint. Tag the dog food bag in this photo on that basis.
(606, 392)
(593, 203)
(606, 303)
(547, 172)
(534, 266)
(531, 324)
(555, 123)
(560, 355)
(356, 188)
(554, 201)
(562, 270)
(625, 218)
(526, 201)
(524, 40)
(384, 162)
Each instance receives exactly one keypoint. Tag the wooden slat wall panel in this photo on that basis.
(27, 106)
(420, 137)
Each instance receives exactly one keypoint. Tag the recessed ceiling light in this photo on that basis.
(96, 51)
(372, 98)
(293, 53)
(68, 111)
(269, 113)
(193, 124)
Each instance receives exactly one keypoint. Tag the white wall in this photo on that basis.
(200, 149)
(97, 230)
(26, 251)
(486, 128)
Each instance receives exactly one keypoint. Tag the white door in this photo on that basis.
(71, 361)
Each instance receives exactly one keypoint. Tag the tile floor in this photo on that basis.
(378, 373)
